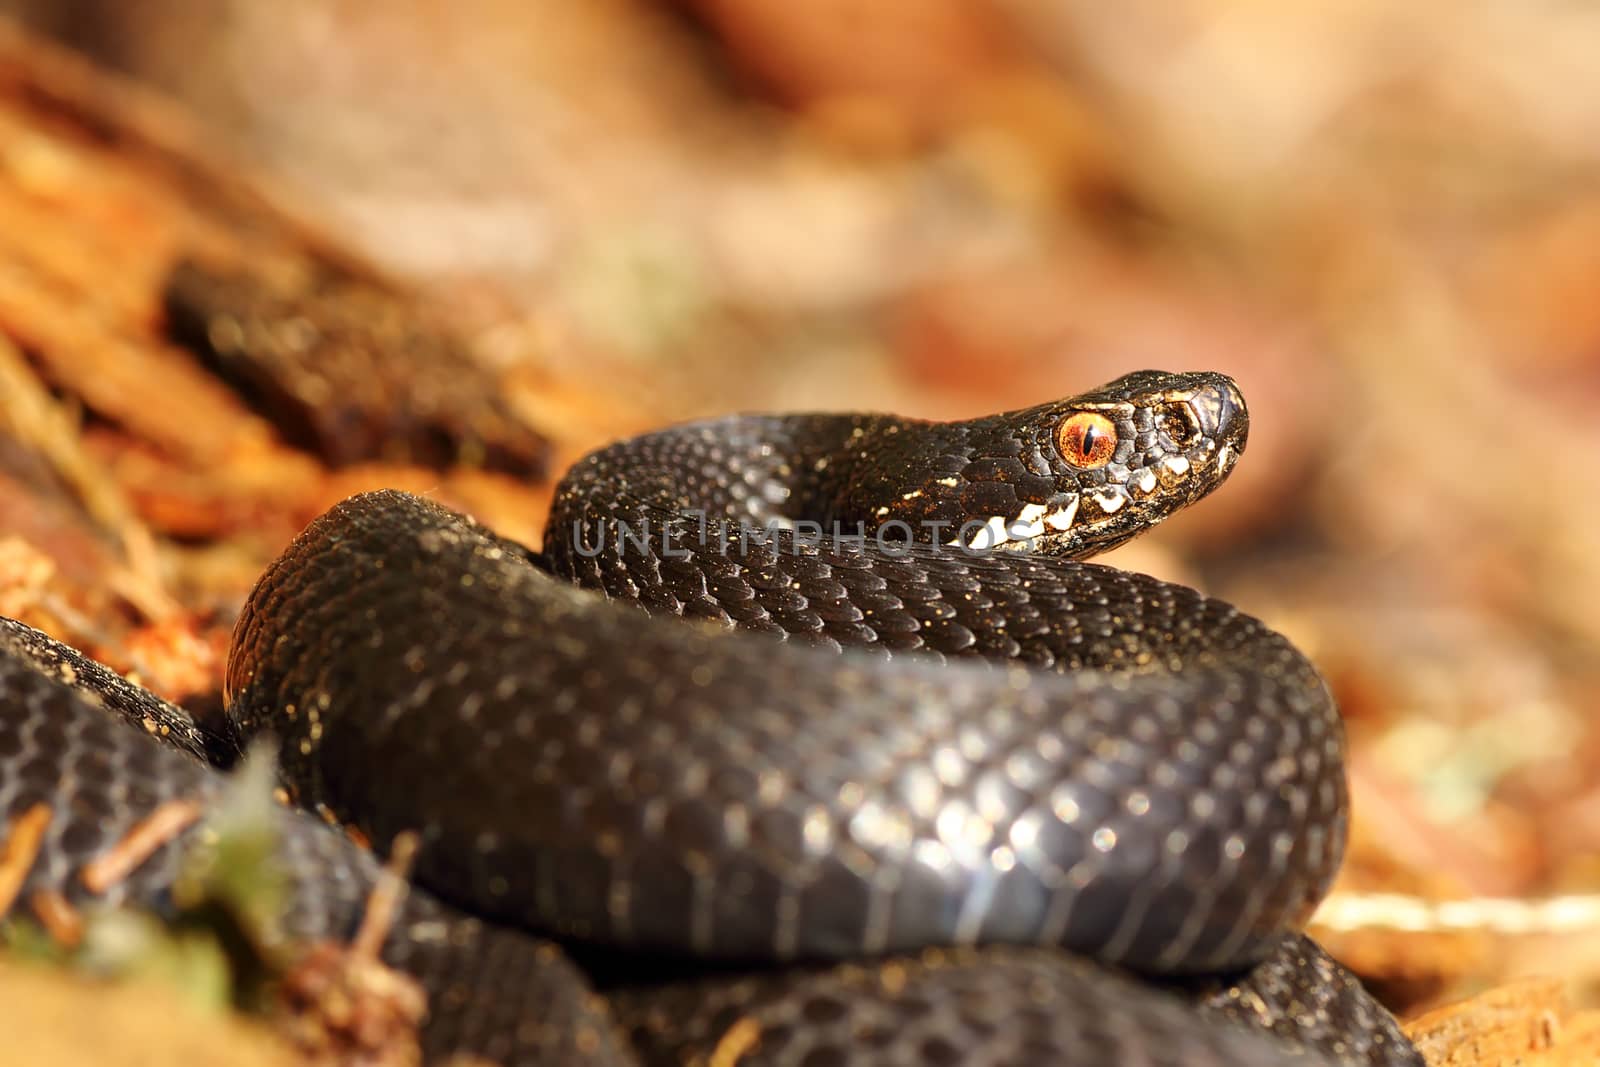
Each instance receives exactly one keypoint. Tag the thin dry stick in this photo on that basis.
(20, 850)
(161, 826)
(31, 415)
(739, 1039)
(62, 921)
(1509, 916)
(385, 898)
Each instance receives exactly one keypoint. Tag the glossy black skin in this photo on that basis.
(501, 994)
(600, 776)
(760, 802)
(566, 784)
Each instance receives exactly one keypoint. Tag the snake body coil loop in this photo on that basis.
(907, 759)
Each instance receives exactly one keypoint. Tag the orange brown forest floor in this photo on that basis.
(1412, 510)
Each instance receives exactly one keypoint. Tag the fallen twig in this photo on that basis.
(385, 898)
(20, 849)
(62, 921)
(147, 836)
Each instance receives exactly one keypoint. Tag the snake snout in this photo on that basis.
(1219, 410)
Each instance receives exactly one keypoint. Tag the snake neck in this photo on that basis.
(1069, 478)
(756, 470)
(909, 479)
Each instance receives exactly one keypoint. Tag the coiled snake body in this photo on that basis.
(882, 849)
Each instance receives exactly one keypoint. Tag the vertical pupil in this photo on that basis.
(1087, 440)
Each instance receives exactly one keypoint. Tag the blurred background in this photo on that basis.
(1383, 220)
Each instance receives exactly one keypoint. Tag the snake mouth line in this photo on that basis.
(1033, 522)
(1037, 526)
(1033, 528)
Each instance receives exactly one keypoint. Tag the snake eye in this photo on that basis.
(1087, 439)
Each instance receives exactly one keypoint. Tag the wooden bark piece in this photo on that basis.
(1530, 1023)
(349, 371)
(159, 493)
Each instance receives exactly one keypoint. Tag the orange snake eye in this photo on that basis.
(1087, 439)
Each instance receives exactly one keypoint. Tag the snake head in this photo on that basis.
(1129, 454)
(1076, 476)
